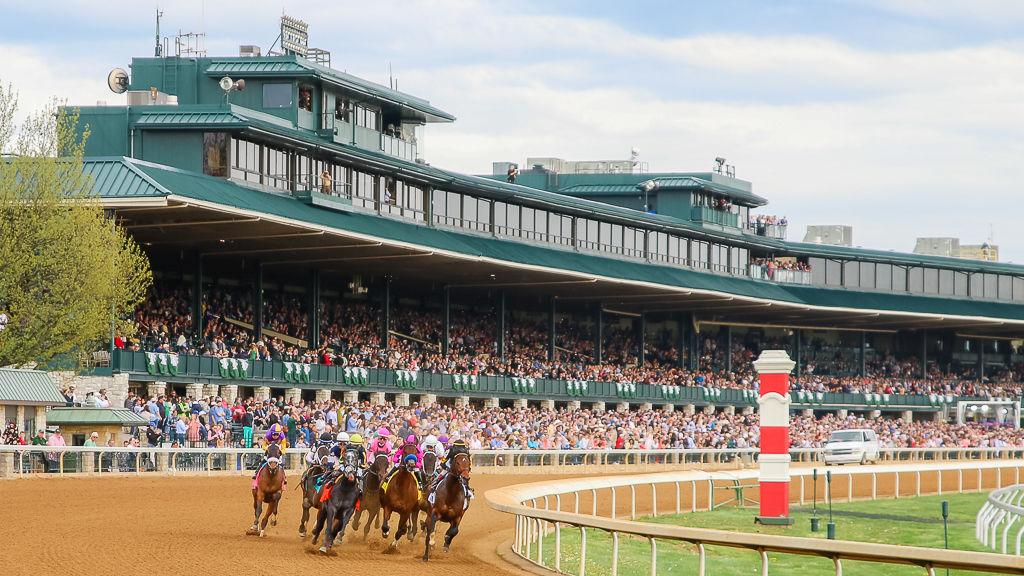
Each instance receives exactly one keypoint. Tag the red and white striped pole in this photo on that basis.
(773, 368)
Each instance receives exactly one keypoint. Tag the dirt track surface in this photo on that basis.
(196, 525)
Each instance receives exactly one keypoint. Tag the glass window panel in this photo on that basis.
(833, 273)
(500, 217)
(990, 286)
(899, 279)
(469, 211)
(976, 285)
(915, 280)
(931, 281)
(883, 276)
(1018, 288)
(867, 274)
(946, 282)
(513, 220)
(277, 95)
(817, 270)
(960, 283)
(851, 274)
(528, 219)
(1005, 287)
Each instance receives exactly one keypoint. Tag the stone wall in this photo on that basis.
(116, 385)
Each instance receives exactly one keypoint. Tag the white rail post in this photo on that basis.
(939, 480)
(1020, 535)
(558, 502)
(897, 474)
(801, 490)
(917, 488)
(654, 557)
(679, 499)
(613, 502)
(632, 501)
(558, 547)
(711, 495)
(979, 480)
(583, 551)
(615, 554)
(529, 537)
(702, 558)
(960, 480)
(540, 541)
(593, 502)
(849, 487)
(874, 485)
(654, 500)
(764, 562)
(839, 566)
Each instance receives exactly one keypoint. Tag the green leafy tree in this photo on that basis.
(66, 269)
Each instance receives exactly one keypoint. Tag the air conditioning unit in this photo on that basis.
(249, 51)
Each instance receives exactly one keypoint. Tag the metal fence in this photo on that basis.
(1003, 509)
(543, 510)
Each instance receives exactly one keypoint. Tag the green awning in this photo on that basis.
(694, 183)
(94, 416)
(28, 387)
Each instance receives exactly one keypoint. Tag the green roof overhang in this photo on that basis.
(31, 387)
(689, 183)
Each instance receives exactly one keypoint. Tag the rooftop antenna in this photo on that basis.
(158, 50)
(391, 76)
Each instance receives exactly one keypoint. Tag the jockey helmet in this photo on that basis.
(410, 439)
(342, 437)
(383, 432)
(430, 440)
(355, 439)
(326, 437)
(459, 442)
(409, 457)
(443, 439)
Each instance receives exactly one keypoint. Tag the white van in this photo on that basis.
(857, 446)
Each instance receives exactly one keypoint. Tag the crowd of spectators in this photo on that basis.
(771, 268)
(351, 331)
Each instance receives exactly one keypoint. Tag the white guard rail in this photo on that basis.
(1002, 509)
(24, 460)
(543, 507)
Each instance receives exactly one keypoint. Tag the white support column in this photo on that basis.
(427, 399)
(402, 399)
(573, 405)
(646, 406)
(323, 395)
(377, 398)
(668, 408)
(622, 407)
(519, 403)
(211, 390)
(491, 402)
(462, 401)
(709, 409)
(907, 415)
(547, 404)
(874, 414)
(350, 397)
(747, 410)
(807, 412)
(689, 409)
(842, 413)
(293, 395)
(728, 410)
(261, 393)
(194, 390)
(598, 407)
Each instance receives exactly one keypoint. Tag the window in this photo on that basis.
(991, 288)
(851, 274)
(1005, 287)
(513, 220)
(817, 270)
(343, 109)
(946, 282)
(960, 283)
(834, 273)
(976, 286)
(931, 281)
(899, 279)
(306, 98)
(1018, 288)
(246, 161)
(277, 95)
(883, 276)
(867, 275)
(216, 154)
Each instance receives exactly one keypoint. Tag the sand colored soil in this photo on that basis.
(196, 525)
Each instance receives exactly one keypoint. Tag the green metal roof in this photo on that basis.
(692, 182)
(113, 177)
(220, 117)
(94, 416)
(28, 387)
(295, 66)
(225, 193)
(600, 190)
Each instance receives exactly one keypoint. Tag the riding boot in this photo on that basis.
(469, 491)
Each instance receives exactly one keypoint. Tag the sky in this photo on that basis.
(901, 118)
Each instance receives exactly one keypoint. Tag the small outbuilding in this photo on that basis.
(25, 396)
(76, 424)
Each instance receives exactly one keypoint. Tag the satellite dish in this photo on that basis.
(117, 80)
(226, 84)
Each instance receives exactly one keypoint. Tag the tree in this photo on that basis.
(66, 270)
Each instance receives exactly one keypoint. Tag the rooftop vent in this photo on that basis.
(249, 51)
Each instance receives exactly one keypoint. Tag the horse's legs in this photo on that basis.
(305, 517)
(355, 519)
(428, 531)
(453, 531)
(403, 528)
(385, 528)
(346, 515)
(271, 510)
(255, 511)
(329, 523)
(321, 516)
(414, 518)
(372, 517)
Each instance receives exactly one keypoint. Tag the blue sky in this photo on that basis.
(901, 118)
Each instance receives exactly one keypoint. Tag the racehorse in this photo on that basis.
(268, 488)
(370, 501)
(400, 495)
(339, 504)
(430, 471)
(308, 483)
(449, 502)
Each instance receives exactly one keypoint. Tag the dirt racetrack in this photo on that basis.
(196, 525)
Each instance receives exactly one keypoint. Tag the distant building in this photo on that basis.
(831, 234)
(951, 247)
(561, 166)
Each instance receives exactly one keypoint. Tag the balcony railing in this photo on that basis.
(397, 147)
(777, 231)
(720, 217)
(760, 272)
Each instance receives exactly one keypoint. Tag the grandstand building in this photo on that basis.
(309, 183)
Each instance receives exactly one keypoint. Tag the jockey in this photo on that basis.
(275, 435)
(343, 440)
(325, 440)
(457, 447)
(355, 444)
(382, 445)
(400, 455)
(430, 444)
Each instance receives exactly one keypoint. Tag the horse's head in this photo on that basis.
(273, 457)
(429, 463)
(350, 464)
(462, 466)
(380, 464)
(322, 454)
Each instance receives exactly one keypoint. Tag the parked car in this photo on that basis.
(858, 446)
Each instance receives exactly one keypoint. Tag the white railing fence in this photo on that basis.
(26, 460)
(1002, 510)
(595, 504)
